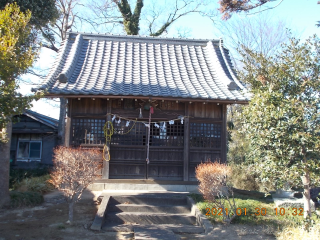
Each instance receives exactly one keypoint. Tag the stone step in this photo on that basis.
(117, 227)
(150, 218)
(148, 208)
(150, 200)
(154, 233)
(176, 228)
(183, 229)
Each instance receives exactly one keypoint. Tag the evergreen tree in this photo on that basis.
(282, 120)
(16, 55)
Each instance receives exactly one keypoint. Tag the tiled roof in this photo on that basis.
(51, 122)
(96, 64)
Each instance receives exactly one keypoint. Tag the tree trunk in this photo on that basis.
(61, 127)
(306, 194)
(71, 204)
(5, 144)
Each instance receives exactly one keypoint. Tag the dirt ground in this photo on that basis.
(48, 221)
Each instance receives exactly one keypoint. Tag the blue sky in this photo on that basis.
(301, 16)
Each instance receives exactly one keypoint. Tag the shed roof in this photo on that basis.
(50, 122)
(110, 65)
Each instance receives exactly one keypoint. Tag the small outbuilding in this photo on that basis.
(34, 137)
(159, 104)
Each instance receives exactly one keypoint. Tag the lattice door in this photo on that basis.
(204, 143)
(128, 151)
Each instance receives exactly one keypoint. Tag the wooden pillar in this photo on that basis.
(186, 139)
(68, 125)
(106, 164)
(224, 134)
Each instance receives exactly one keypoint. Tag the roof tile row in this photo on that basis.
(114, 65)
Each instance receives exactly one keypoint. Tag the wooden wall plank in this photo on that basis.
(186, 145)
(224, 134)
(88, 106)
(159, 114)
(208, 110)
(187, 157)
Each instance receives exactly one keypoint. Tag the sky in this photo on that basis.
(300, 16)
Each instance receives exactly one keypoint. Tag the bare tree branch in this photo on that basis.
(157, 17)
(264, 33)
(182, 8)
(269, 8)
(73, 170)
(52, 46)
(228, 7)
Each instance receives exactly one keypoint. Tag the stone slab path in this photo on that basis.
(153, 233)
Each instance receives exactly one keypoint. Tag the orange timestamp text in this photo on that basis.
(257, 212)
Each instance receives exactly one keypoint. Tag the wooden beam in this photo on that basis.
(221, 101)
(68, 125)
(106, 161)
(92, 145)
(186, 145)
(224, 134)
(30, 130)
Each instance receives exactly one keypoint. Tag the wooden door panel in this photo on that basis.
(127, 171)
(128, 153)
(198, 155)
(164, 171)
(166, 154)
(166, 163)
(204, 155)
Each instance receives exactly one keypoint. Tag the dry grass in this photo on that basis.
(299, 233)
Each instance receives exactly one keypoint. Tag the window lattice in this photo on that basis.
(122, 134)
(171, 135)
(89, 131)
(205, 135)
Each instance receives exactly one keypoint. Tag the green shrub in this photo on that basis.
(17, 175)
(197, 197)
(244, 177)
(61, 226)
(35, 184)
(25, 199)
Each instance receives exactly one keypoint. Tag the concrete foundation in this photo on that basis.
(136, 185)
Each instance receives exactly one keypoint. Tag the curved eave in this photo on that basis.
(207, 100)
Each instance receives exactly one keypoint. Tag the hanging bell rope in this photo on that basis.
(149, 127)
(108, 132)
(145, 122)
